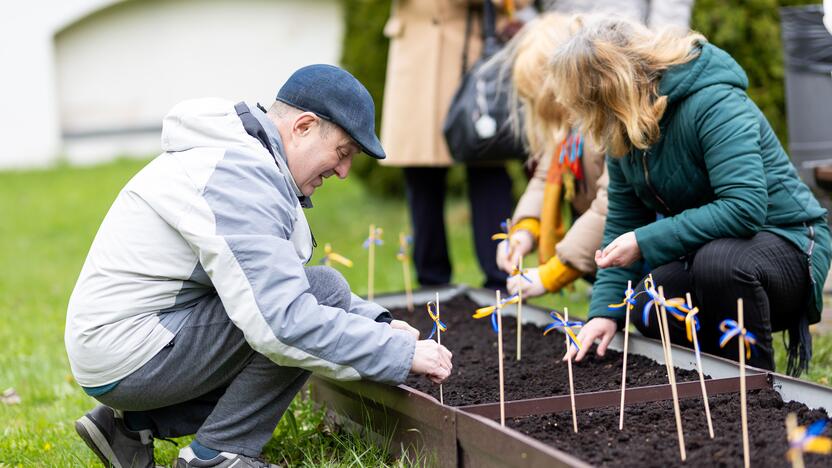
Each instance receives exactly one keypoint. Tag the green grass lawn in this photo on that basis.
(47, 221)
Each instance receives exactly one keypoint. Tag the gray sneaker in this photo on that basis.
(187, 459)
(104, 432)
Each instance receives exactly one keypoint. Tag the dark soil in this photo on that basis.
(649, 434)
(540, 373)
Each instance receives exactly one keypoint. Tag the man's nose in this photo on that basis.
(343, 168)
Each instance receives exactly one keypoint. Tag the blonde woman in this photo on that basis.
(570, 174)
(685, 141)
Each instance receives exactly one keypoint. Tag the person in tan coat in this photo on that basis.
(424, 69)
(570, 175)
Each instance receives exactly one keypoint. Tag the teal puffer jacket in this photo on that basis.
(717, 171)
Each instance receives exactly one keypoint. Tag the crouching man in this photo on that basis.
(194, 313)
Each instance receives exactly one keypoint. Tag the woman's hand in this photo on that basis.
(510, 251)
(621, 252)
(599, 327)
(517, 283)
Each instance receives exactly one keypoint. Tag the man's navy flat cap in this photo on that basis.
(334, 94)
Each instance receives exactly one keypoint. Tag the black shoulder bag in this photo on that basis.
(478, 124)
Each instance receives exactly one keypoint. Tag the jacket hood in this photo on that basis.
(713, 66)
(199, 123)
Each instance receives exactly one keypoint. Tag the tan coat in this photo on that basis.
(577, 248)
(423, 72)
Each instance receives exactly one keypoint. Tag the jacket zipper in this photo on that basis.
(649, 185)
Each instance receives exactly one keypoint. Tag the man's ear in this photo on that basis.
(304, 122)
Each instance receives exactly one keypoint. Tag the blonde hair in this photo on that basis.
(545, 121)
(608, 75)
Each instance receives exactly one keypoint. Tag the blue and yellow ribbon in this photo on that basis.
(374, 238)
(675, 305)
(810, 440)
(522, 274)
(505, 226)
(330, 256)
(629, 298)
(489, 311)
(730, 328)
(404, 241)
(559, 322)
(437, 324)
(687, 313)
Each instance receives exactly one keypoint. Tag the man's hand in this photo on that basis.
(517, 283)
(621, 252)
(432, 360)
(402, 325)
(599, 327)
(520, 243)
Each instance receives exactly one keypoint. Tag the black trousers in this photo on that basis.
(489, 192)
(769, 273)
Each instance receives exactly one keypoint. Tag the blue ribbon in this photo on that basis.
(730, 328)
(558, 322)
(436, 322)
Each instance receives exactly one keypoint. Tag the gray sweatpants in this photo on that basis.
(210, 382)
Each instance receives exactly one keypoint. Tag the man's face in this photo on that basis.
(315, 153)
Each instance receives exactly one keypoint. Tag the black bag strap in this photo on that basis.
(468, 22)
(489, 29)
(489, 32)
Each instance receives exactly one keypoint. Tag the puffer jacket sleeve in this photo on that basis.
(531, 202)
(625, 213)
(584, 237)
(239, 225)
(728, 133)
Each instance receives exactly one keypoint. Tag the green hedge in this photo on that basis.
(748, 29)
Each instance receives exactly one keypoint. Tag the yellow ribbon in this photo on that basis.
(486, 311)
(330, 256)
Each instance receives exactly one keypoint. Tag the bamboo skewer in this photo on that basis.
(701, 376)
(569, 367)
(371, 266)
(626, 343)
(406, 271)
(743, 410)
(661, 328)
(500, 357)
(439, 342)
(796, 455)
(672, 375)
(520, 314)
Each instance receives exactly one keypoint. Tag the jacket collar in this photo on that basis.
(258, 125)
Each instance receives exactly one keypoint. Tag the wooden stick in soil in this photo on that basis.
(796, 455)
(661, 328)
(743, 410)
(439, 342)
(372, 263)
(500, 358)
(627, 309)
(672, 374)
(701, 376)
(569, 367)
(406, 271)
(520, 313)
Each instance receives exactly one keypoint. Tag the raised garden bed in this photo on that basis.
(467, 435)
(540, 373)
(649, 435)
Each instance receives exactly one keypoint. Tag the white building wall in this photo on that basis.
(100, 75)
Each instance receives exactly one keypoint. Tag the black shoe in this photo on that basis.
(103, 431)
